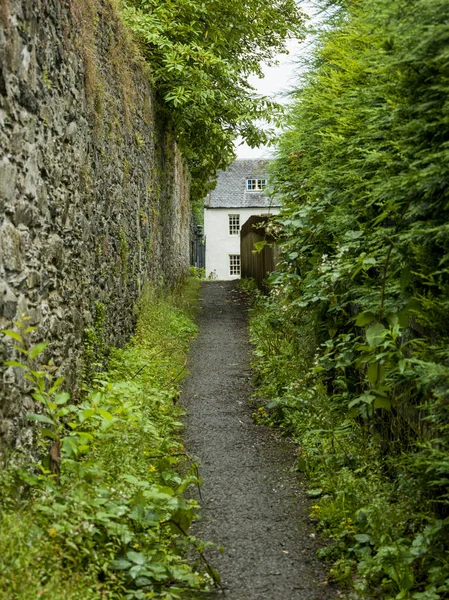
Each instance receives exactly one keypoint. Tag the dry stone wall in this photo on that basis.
(93, 192)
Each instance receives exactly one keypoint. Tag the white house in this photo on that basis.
(237, 197)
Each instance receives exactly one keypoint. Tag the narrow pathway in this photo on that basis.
(251, 503)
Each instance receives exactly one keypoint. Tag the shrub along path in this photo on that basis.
(251, 503)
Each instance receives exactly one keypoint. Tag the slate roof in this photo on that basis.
(231, 191)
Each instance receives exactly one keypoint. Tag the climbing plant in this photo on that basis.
(202, 55)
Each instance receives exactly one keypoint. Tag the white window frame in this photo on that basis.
(234, 264)
(256, 185)
(234, 224)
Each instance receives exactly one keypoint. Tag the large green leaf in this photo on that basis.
(13, 334)
(364, 318)
(120, 564)
(375, 334)
(373, 373)
(40, 418)
(61, 398)
(136, 557)
(15, 363)
(36, 350)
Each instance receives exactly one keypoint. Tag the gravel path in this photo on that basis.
(251, 503)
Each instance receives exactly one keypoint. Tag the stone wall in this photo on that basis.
(93, 192)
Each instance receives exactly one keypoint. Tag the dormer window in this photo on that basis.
(255, 185)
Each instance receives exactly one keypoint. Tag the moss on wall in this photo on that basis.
(93, 189)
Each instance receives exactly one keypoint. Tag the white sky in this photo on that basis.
(277, 81)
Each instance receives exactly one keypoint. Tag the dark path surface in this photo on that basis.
(251, 503)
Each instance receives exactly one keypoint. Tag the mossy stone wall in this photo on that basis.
(94, 195)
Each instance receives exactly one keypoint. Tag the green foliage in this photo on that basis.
(351, 344)
(248, 286)
(371, 504)
(102, 513)
(198, 272)
(201, 56)
(95, 347)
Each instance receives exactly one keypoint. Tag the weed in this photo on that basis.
(198, 272)
(101, 514)
(386, 540)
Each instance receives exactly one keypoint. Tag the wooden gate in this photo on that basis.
(257, 262)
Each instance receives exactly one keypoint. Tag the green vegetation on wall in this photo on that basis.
(352, 343)
(101, 514)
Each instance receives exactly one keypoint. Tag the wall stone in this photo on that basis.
(94, 195)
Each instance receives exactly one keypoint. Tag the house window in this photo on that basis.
(234, 264)
(234, 224)
(256, 185)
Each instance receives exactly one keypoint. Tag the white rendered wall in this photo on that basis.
(219, 244)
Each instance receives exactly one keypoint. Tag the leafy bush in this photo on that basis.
(351, 345)
(201, 56)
